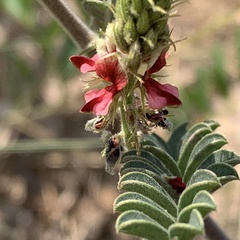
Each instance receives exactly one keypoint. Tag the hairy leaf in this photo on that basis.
(175, 140)
(165, 158)
(139, 224)
(201, 180)
(192, 137)
(187, 231)
(135, 201)
(203, 202)
(224, 172)
(212, 124)
(148, 156)
(146, 185)
(201, 151)
(222, 155)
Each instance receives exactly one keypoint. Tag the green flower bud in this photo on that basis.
(134, 56)
(130, 32)
(150, 40)
(122, 9)
(146, 5)
(136, 8)
(164, 4)
(111, 47)
(119, 37)
(160, 26)
(155, 17)
(143, 23)
(165, 35)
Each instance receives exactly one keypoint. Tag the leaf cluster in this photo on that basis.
(149, 207)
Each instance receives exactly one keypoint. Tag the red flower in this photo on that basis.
(84, 64)
(177, 184)
(107, 67)
(159, 95)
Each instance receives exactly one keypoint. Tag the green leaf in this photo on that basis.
(202, 175)
(139, 224)
(187, 231)
(147, 186)
(133, 153)
(213, 125)
(135, 201)
(137, 164)
(154, 140)
(188, 194)
(203, 202)
(149, 157)
(175, 140)
(222, 155)
(191, 138)
(202, 149)
(165, 158)
(224, 172)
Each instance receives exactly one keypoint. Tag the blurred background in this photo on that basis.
(52, 179)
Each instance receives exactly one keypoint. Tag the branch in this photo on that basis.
(213, 231)
(70, 22)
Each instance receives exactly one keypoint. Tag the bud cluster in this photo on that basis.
(141, 21)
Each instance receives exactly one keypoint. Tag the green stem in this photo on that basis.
(76, 29)
(127, 135)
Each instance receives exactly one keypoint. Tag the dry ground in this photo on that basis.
(67, 195)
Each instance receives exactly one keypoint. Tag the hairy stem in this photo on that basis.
(70, 22)
(127, 135)
(213, 231)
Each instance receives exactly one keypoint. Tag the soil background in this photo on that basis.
(66, 195)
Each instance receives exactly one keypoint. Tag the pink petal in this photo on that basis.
(159, 64)
(98, 101)
(84, 64)
(108, 68)
(161, 95)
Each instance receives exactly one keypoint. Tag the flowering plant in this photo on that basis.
(165, 186)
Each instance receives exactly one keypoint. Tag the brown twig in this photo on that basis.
(213, 231)
(70, 22)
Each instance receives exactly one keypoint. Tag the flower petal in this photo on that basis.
(108, 68)
(159, 64)
(84, 64)
(161, 95)
(98, 101)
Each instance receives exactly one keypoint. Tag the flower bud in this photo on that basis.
(129, 32)
(96, 125)
(164, 4)
(165, 34)
(155, 17)
(119, 37)
(160, 26)
(134, 56)
(111, 47)
(122, 9)
(136, 8)
(143, 23)
(150, 40)
(146, 5)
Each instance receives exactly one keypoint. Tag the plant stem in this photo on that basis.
(127, 135)
(70, 22)
(213, 231)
